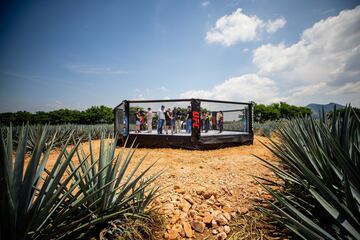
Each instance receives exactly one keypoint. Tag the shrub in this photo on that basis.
(320, 175)
(267, 128)
(80, 191)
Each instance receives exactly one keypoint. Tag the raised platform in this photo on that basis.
(184, 133)
(236, 117)
(210, 140)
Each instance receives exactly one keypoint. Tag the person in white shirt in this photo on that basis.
(161, 115)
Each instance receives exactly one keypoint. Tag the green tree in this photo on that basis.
(264, 113)
(276, 111)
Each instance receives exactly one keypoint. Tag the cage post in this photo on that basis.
(127, 115)
(195, 129)
(251, 118)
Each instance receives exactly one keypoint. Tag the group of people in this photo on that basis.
(173, 120)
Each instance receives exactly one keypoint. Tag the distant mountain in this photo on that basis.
(316, 108)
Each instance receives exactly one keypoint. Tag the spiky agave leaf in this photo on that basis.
(22, 184)
(99, 191)
(41, 203)
(322, 168)
(105, 190)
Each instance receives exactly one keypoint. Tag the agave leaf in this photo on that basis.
(305, 232)
(295, 212)
(337, 215)
(7, 204)
(323, 158)
(17, 177)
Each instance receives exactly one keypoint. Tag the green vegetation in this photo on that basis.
(278, 111)
(319, 193)
(80, 192)
(341, 111)
(267, 128)
(92, 115)
(59, 134)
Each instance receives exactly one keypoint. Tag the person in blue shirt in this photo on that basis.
(188, 120)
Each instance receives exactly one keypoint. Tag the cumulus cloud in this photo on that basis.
(273, 26)
(348, 88)
(322, 67)
(324, 51)
(325, 61)
(205, 4)
(239, 27)
(248, 87)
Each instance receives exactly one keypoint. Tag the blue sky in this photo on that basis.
(75, 54)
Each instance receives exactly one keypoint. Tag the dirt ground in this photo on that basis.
(205, 193)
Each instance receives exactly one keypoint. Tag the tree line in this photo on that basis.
(103, 114)
(278, 111)
(92, 115)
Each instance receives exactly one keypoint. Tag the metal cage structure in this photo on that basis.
(190, 123)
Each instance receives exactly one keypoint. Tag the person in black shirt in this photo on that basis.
(221, 121)
(207, 121)
(142, 120)
(168, 117)
(213, 121)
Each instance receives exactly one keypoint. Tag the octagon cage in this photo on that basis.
(184, 123)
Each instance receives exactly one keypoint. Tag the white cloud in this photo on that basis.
(233, 28)
(139, 97)
(348, 88)
(245, 50)
(149, 93)
(273, 26)
(89, 69)
(239, 27)
(322, 52)
(307, 90)
(163, 89)
(205, 4)
(248, 87)
(325, 61)
(323, 66)
(57, 104)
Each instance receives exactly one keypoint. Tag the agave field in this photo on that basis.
(314, 189)
(57, 135)
(318, 196)
(80, 191)
(267, 128)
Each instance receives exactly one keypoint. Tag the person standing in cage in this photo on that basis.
(213, 120)
(221, 121)
(188, 119)
(137, 121)
(207, 122)
(168, 117)
(173, 120)
(202, 125)
(178, 120)
(161, 115)
(149, 118)
(142, 120)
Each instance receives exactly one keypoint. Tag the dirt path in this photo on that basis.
(204, 192)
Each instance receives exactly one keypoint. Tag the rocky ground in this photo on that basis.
(204, 194)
